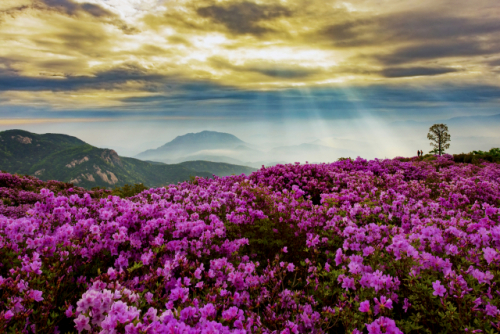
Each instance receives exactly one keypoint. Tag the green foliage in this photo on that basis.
(439, 137)
(494, 152)
(476, 157)
(436, 151)
(129, 190)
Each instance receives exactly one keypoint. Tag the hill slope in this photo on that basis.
(20, 150)
(68, 159)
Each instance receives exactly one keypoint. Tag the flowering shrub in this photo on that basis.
(20, 193)
(356, 246)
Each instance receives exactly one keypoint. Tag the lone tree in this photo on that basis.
(439, 137)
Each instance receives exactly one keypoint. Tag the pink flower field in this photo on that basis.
(356, 246)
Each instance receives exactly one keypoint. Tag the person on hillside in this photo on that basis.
(421, 153)
(418, 153)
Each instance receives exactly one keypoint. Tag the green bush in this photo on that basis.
(129, 190)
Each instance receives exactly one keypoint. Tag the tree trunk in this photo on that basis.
(439, 138)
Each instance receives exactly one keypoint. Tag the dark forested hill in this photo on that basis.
(68, 159)
(20, 150)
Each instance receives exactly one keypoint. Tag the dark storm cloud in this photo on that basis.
(435, 50)
(285, 73)
(399, 72)
(495, 62)
(243, 17)
(351, 33)
(11, 81)
(415, 26)
(411, 37)
(12, 11)
(71, 8)
(437, 25)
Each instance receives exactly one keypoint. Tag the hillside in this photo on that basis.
(68, 159)
(277, 250)
(20, 150)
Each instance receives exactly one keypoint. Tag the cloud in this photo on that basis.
(214, 52)
(178, 40)
(188, 98)
(107, 79)
(66, 7)
(399, 72)
(72, 8)
(245, 17)
(266, 68)
(326, 99)
(358, 30)
(443, 49)
(494, 62)
(69, 8)
(351, 33)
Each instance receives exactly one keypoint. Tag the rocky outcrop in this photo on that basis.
(110, 156)
(21, 139)
(77, 162)
(75, 181)
(106, 176)
(39, 172)
(88, 177)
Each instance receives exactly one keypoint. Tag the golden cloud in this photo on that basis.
(64, 49)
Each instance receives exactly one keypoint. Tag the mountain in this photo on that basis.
(192, 143)
(224, 147)
(20, 150)
(208, 157)
(68, 159)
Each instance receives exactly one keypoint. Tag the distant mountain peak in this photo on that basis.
(191, 143)
(204, 135)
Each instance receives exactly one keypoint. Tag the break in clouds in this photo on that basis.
(248, 61)
(112, 51)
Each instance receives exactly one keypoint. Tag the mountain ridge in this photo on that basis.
(68, 159)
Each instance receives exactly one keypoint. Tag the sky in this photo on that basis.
(134, 74)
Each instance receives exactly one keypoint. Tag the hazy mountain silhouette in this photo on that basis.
(192, 143)
(225, 147)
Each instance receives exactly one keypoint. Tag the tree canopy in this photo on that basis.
(439, 137)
